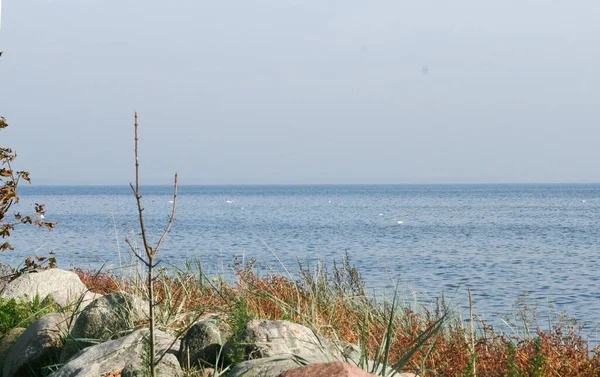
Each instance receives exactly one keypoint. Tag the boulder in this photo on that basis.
(264, 338)
(335, 369)
(46, 282)
(67, 302)
(266, 367)
(203, 342)
(7, 341)
(38, 346)
(168, 366)
(108, 317)
(273, 347)
(115, 355)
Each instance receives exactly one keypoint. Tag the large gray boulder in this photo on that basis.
(38, 346)
(108, 317)
(64, 285)
(272, 347)
(115, 355)
(203, 342)
(264, 338)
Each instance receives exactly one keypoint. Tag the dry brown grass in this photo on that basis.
(101, 282)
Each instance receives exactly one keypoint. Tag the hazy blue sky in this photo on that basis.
(287, 91)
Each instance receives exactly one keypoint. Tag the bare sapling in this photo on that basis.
(149, 259)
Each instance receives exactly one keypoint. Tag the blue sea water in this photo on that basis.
(501, 241)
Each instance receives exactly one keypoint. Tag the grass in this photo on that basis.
(334, 305)
(391, 335)
(22, 313)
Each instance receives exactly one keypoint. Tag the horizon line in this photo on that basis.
(322, 184)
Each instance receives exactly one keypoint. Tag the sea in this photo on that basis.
(515, 247)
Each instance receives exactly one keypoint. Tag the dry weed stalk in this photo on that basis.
(150, 252)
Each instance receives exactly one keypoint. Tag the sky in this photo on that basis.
(303, 92)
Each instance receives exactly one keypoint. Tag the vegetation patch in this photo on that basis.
(22, 313)
(335, 306)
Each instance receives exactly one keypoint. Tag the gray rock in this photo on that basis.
(71, 303)
(108, 317)
(271, 366)
(115, 355)
(6, 343)
(344, 351)
(38, 346)
(264, 338)
(203, 343)
(168, 366)
(44, 283)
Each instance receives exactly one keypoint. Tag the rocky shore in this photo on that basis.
(92, 335)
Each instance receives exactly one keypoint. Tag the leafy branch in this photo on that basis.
(9, 183)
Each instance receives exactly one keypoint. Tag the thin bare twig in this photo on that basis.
(150, 252)
(135, 253)
(136, 190)
(171, 218)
